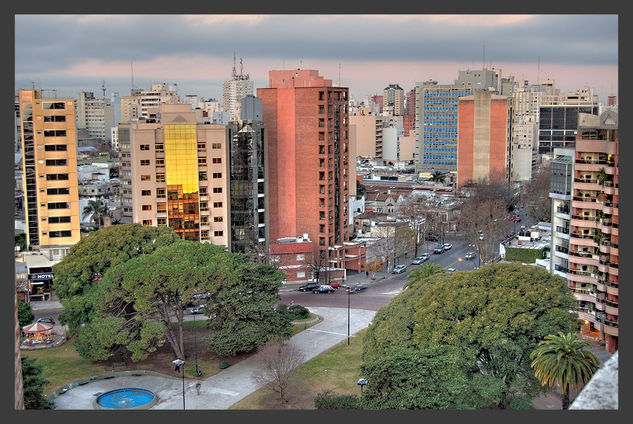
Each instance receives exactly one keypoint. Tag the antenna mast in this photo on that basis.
(234, 72)
(103, 87)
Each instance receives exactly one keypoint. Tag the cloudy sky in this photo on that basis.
(70, 53)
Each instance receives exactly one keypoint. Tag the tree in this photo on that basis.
(437, 177)
(375, 267)
(33, 385)
(360, 189)
(76, 276)
(422, 212)
(141, 302)
(327, 399)
(244, 312)
(536, 196)
(560, 360)
(97, 210)
(424, 271)
(25, 314)
(483, 217)
(278, 359)
(491, 318)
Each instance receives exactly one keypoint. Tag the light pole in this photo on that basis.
(362, 382)
(179, 363)
(349, 292)
(481, 238)
(195, 344)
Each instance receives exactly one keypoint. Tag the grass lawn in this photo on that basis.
(337, 369)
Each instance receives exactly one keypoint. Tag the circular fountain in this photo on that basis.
(126, 398)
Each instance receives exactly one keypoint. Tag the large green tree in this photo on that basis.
(562, 360)
(76, 276)
(491, 318)
(141, 302)
(96, 210)
(25, 314)
(33, 385)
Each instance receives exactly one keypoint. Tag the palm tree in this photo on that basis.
(424, 271)
(98, 211)
(562, 360)
(437, 177)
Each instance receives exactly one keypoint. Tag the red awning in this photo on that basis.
(37, 327)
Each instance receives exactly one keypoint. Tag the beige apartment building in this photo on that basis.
(174, 171)
(49, 172)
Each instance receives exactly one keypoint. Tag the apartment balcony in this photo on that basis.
(583, 222)
(582, 240)
(587, 184)
(583, 259)
(613, 269)
(611, 308)
(586, 203)
(562, 213)
(612, 288)
(584, 295)
(582, 277)
(588, 316)
(611, 328)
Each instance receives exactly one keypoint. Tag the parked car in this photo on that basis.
(450, 270)
(335, 284)
(308, 287)
(448, 246)
(438, 249)
(515, 218)
(399, 269)
(418, 260)
(206, 295)
(323, 289)
(426, 256)
(357, 288)
(432, 237)
(199, 309)
(469, 255)
(46, 320)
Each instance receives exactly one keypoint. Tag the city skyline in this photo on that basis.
(363, 52)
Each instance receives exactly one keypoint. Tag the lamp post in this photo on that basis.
(179, 363)
(349, 292)
(195, 344)
(481, 238)
(362, 382)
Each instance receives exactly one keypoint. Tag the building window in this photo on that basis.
(160, 162)
(147, 222)
(217, 204)
(144, 162)
(202, 146)
(55, 148)
(301, 274)
(217, 189)
(203, 191)
(146, 178)
(146, 192)
(59, 205)
(321, 95)
(217, 160)
(54, 133)
(147, 207)
(218, 219)
(60, 190)
(63, 233)
(202, 161)
(160, 178)
(217, 175)
(160, 147)
(301, 257)
(56, 162)
(218, 233)
(144, 146)
(204, 234)
(161, 221)
(216, 145)
(58, 219)
(55, 118)
(53, 105)
(204, 206)
(202, 176)
(160, 192)
(56, 177)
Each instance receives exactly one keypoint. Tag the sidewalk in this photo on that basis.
(231, 385)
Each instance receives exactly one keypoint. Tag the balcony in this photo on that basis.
(584, 295)
(588, 316)
(583, 259)
(611, 308)
(611, 330)
(612, 288)
(587, 184)
(582, 239)
(563, 230)
(582, 277)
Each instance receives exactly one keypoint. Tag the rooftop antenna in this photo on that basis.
(234, 72)
(103, 87)
(241, 67)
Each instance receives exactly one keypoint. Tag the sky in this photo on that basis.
(70, 53)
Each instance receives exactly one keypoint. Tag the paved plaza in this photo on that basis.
(231, 385)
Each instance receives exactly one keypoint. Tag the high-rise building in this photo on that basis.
(247, 172)
(393, 99)
(593, 272)
(307, 122)
(174, 171)
(561, 191)
(95, 115)
(49, 172)
(483, 141)
(235, 89)
(558, 118)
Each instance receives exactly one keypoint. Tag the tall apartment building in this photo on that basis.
(95, 115)
(247, 171)
(174, 171)
(49, 172)
(393, 99)
(483, 141)
(409, 113)
(235, 89)
(363, 132)
(307, 122)
(558, 118)
(593, 272)
(560, 191)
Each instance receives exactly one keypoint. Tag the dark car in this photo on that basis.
(438, 249)
(324, 289)
(357, 288)
(46, 320)
(432, 237)
(308, 287)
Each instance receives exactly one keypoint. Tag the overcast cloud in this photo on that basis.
(74, 52)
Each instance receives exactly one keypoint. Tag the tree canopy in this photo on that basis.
(491, 319)
(76, 275)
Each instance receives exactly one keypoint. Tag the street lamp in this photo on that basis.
(179, 363)
(349, 292)
(481, 238)
(195, 344)
(362, 382)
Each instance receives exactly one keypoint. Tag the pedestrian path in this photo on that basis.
(231, 385)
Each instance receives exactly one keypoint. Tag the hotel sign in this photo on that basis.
(41, 277)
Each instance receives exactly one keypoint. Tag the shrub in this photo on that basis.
(25, 314)
(330, 400)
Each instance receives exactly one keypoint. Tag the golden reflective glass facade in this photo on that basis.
(181, 175)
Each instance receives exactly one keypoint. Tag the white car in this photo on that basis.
(450, 270)
(399, 269)
(469, 255)
(447, 246)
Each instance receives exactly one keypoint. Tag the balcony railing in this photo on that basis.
(611, 303)
(560, 268)
(562, 230)
(584, 218)
(562, 249)
(596, 162)
(610, 323)
(562, 210)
